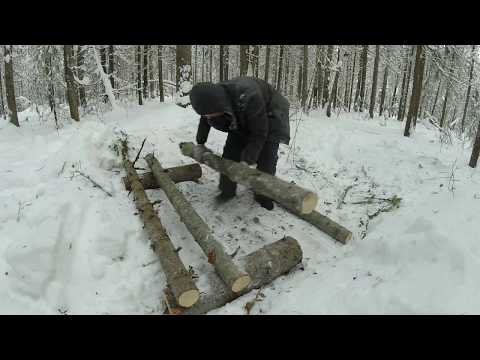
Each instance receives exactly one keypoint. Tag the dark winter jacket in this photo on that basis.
(252, 107)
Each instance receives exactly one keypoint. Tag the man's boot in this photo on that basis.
(264, 201)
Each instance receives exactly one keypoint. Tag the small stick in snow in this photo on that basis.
(342, 198)
(139, 151)
(94, 183)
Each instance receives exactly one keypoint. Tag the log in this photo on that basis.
(328, 226)
(287, 194)
(264, 265)
(191, 172)
(178, 278)
(235, 279)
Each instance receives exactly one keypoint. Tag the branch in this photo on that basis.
(94, 183)
(139, 151)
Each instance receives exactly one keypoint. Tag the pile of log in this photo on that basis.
(230, 278)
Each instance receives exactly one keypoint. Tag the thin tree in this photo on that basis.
(304, 77)
(244, 60)
(407, 87)
(447, 88)
(352, 78)
(476, 149)
(416, 89)
(320, 75)
(280, 64)
(287, 70)
(210, 50)
(373, 94)
(10, 85)
(469, 88)
(50, 82)
(72, 96)
(146, 49)
(267, 63)
(111, 64)
(195, 63)
(334, 86)
(2, 105)
(103, 60)
(327, 75)
(150, 74)
(363, 75)
(139, 74)
(222, 62)
(184, 73)
(255, 59)
(81, 74)
(160, 72)
(384, 84)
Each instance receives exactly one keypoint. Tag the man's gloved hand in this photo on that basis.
(252, 166)
(198, 151)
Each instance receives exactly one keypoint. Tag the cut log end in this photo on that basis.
(188, 298)
(309, 203)
(241, 283)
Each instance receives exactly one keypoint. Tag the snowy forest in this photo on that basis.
(387, 137)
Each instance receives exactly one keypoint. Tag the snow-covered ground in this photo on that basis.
(67, 247)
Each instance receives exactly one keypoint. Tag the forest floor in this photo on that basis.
(67, 247)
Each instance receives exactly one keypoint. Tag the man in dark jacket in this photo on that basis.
(256, 118)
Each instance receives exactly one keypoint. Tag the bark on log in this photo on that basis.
(264, 265)
(191, 172)
(178, 278)
(328, 226)
(235, 279)
(289, 195)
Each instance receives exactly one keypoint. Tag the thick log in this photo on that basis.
(264, 266)
(328, 226)
(191, 172)
(223, 263)
(287, 194)
(178, 278)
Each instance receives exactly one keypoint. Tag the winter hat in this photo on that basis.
(208, 98)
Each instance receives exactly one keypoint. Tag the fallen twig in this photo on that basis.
(342, 198)
(94, 183)
(139, 151)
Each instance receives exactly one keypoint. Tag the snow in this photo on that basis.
(68, 248)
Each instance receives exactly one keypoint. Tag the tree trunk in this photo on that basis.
(384, 84)
(334, 87)
(81, 73)
(447, 92)
(111, 65)
(255, 59)
(394, 95)
(267, 63)
(106, 83)
(50, 83)
(10, 85)
(280, 65)
(416, 88)
(177, 174)
(402, 91)
(210, 50)
(373, 94)
(352, 81)
(244, 60)
(320, 77)
(222, 62)
(103, 59)
(139, 74)
(2, 104)
(299, 84)
(289, 195)
(235, 279)
(264, 265)
(305, 77)
(227, 61)
(184, 73)
(178, 278)
(146, 49)
(195, 64)
(407, 88)
(287, 72)
(476, 149)
(436, 97)
(326, 79)
(160, 72)
(364, 76)
(467, 97)
(150, 74)
(70, 81)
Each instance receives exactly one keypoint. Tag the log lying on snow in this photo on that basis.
(235, 279)
(290, 195)
(328, 226)
(191, 172)
(178, 278)
(264, 266)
